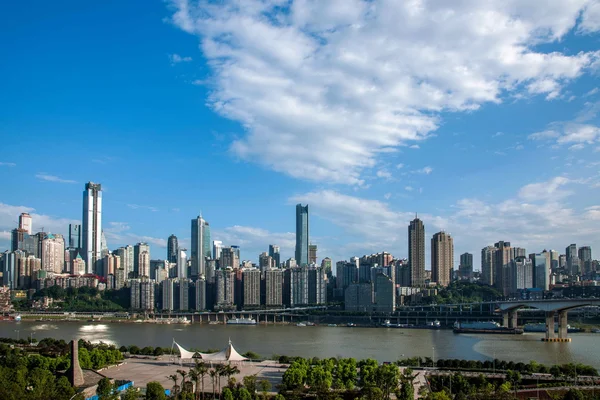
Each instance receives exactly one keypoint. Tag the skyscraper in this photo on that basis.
(312, 254)
(301, 234)
(25, 222)
(138, 249)
(217, 247)
(75, 236)
(572, 259)
(442, 258)
(466, 266)
(416, 252)
(274, 253)
(172, 246)
(503, 267)
(585, 259)
(92, 227)
(201, 248)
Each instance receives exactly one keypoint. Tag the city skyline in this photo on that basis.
(507, 149)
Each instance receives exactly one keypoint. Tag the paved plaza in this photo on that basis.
(141, 371)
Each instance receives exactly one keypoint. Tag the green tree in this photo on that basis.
(130, 394)
(105, 389)
(574, 394)
(200, 370)
(175, 379)
(264, 386)
(244, 394)
(64, 390)
(249, 382)
(155, 391)
(227, 394)
(279, 397)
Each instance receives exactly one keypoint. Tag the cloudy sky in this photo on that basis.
(480, 116)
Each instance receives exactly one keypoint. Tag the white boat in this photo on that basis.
(18, 318)
(241, 321)
(387, 323)
(300, 324)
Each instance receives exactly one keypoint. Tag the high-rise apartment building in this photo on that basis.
(201, 294)
(229, 258)
(274, 287)
(465, 268)
(91, 242)
(201, 246)
(224, 285)
(26, 223)
(312, 254)
(127, 254)
(53, 253)
(302, 230)
(521, 276)
(326, 265)
(502, 267)
(144, 264)
(182, 263)
(585, 259)
(416, 252)
(17, 239)
(265, 261)
(541, 270)
(168, 295)
(250, 288)
(442, 258)
(519, 252)
(138, 249)
(217, 249)
(172, 246)
(274, 253)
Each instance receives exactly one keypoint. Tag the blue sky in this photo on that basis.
(482, 118)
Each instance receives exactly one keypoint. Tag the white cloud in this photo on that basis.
(497, 134)
(579, 146)
(537, 217)
(399, 166)
(118, 234)
(414, 146)
(382, 173)
(9, 217)
(140, 207)
(545, 190)
(359, 78)
(408, 188)
(425, 170)
(387, 196)
(176, 59)
(591, 92)
(590, 18)
(519, 147)
(7, 164)
(253, 241)
(549, 134)
(52, 178)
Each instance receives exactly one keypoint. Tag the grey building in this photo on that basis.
(91, 242)
(465, 268)
(358, 297)
(416, 252)
(541, 270)
(317, 286)
(442, 258)
(138, 256)
(172, 246)
(384, 294)
(502, 267)
(201, 246)
(200, 294)
(487, 265)
(224, 285)
(274, 287)
(274, 253)
(183, 286)
(521, 274)
(585, 259)
(168, 295)
(302, 230)
(250, 287)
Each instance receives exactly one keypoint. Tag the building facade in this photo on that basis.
(201, 246)
(442, 258)
(92, 227)
(416, 252)
(302, 230)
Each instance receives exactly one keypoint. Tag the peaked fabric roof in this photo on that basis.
(227, 354)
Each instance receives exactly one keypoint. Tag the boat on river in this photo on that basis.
(541, 327)
(241, 321)
(485, 327)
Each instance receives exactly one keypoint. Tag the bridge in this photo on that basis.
(551, 307)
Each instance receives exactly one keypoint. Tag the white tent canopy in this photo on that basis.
(227, 354)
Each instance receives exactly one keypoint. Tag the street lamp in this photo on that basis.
(31, 338)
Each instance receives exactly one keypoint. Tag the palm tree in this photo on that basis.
(213, 376)
(221, 371)
(183, 374)
(174, 378)
(195, 377)
(201, 369)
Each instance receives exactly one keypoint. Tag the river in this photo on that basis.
(383, 344)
